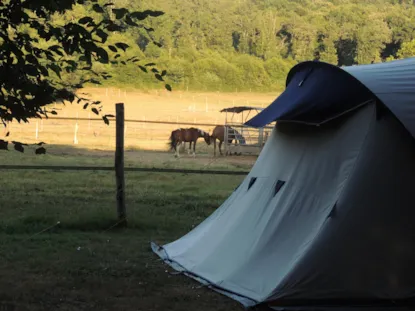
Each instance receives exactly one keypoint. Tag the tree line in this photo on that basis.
(242, 45)
(230, 45)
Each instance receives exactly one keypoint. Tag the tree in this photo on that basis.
(36, 51)
(407, 50)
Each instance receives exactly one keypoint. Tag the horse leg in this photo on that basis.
(220, 146)
(179, 144)
(214, 147)
(190, 147)
(175, 149)
(194, 148)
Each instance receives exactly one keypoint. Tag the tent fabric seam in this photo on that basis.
(329, 119)
(369, 128)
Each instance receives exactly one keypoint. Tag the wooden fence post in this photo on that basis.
(119, 163)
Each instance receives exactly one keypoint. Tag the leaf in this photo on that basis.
(94, 81)
(107, 122)
(53, 112)
(116, 56)
(97, 8)
(44, 71)
(122, 46)
(56, 49)
(4, 145)
(31, 59)
(110, 116)
(154, 13)
(154, 70)
(145, 14)
(113, 48)
(18, 147)
(114, 27)
(103, 55)
(131, 58)
(95, 110)
(139, 15)
(158, 77)
(150, 64)
(40, 150)
(86, 106)
(168, 87)
(56, 69)
(50, 57)
(163, 73)
(31, 70)
(102, 34)
(143, 68)
(8, 134)
(130, 22)
(85, 20)
(120, 13)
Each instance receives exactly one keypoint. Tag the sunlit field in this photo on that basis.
(177, 107)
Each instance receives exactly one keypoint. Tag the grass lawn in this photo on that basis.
(84, 264)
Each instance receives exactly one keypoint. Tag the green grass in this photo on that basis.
(84, 264)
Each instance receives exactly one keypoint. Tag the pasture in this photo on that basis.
(176, 107)
(83, 263)
(59, 249)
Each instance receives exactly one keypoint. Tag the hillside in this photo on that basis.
(243, 45)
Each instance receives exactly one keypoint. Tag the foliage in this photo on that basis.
(51, 49)
(223, 45)
(407, 50)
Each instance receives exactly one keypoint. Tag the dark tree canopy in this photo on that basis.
(36, 52)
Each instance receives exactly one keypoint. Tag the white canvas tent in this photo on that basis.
(325, 218)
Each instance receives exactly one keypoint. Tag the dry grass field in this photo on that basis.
(156, 105)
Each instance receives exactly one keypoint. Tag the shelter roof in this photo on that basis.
(239, 109)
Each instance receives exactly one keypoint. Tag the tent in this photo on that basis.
(325, 218)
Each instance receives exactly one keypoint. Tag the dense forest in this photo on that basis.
(228, 45)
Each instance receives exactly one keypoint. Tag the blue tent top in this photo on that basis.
(317, 92)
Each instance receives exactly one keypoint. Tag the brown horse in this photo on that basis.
(219, 133)
(190, 135)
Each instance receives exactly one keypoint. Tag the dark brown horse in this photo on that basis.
(190, 135)
(219, 133)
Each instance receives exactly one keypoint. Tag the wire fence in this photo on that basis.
(93, 132)
(127, 169)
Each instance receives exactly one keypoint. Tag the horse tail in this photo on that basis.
(171, 140)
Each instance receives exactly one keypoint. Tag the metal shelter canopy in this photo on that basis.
(240, 109)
